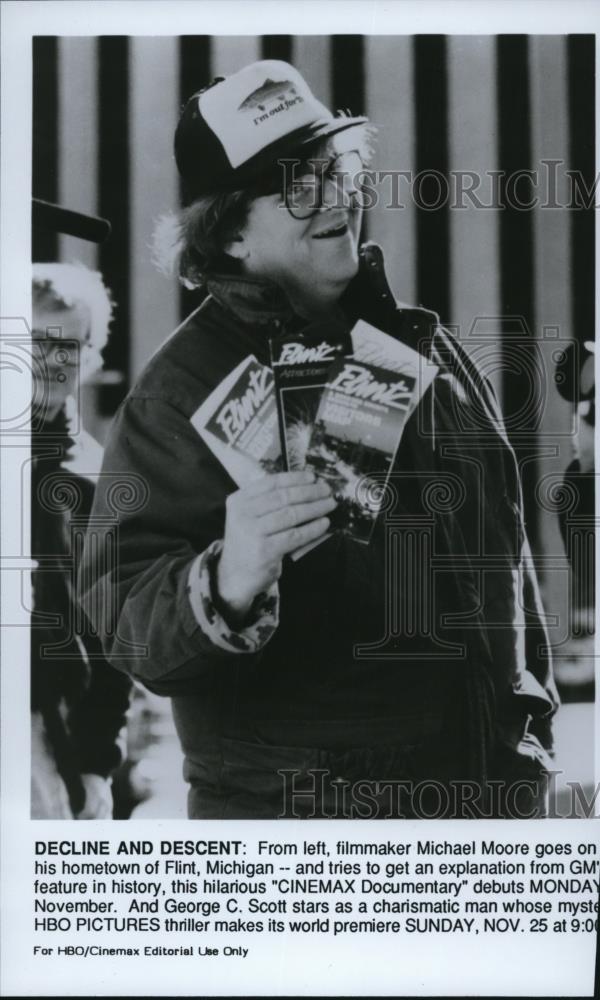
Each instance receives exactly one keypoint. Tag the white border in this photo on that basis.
(301, 17)
(20, 20)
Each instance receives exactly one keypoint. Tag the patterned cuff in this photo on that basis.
(263, 618)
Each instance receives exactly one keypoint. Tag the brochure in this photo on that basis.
(356, 434)
(301, 362)
(238, 421)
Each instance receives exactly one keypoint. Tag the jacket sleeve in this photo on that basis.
(538, 678)
(533, 691)
(145, 582)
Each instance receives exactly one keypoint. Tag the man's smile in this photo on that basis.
(332, 229)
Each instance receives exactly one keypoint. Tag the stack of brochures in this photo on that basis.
(333, 401)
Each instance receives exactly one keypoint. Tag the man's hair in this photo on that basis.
(193, 242)
(64, 286)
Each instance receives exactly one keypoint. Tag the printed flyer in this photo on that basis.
(357, 430)
(190, 192)
(300, 365)
(238, 421)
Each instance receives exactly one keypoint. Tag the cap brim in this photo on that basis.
(318, 131)
(266, 162)
(261, 168)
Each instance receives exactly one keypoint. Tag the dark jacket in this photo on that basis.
(358, 648)
(82, 699)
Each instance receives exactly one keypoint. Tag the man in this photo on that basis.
(295, 691)
(79, 703)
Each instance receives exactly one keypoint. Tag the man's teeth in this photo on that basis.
(341, 226)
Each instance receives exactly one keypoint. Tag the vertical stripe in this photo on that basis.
(348, 83)
(311, 58)
(276, 47)
(473, 229)
(195, 72)
(77, 102)
(582, 143)
(45, 138)
(194, 65)
(430, 189)
(516, 259)
(114, 202)
(348, 73)
(232, 52)
(550, 138)
(389, 105)
(516, 225)
(549, 112)
(154, 189)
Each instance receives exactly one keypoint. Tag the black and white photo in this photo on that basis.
(299, 502)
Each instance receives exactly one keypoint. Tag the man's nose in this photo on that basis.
(340, 190)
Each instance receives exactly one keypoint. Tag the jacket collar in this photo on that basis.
(250, 300)
(367, 297)
(261, 302)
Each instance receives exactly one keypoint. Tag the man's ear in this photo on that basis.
(238, 247)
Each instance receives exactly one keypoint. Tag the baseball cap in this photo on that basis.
(233, 131)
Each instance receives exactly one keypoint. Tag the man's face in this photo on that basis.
(311, 258)
(56, 358)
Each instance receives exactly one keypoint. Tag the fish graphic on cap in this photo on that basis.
(269, 91)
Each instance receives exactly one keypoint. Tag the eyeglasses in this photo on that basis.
(308, 194)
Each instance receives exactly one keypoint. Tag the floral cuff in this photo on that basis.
(262, 620)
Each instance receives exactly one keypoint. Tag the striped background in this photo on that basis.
(104, 114)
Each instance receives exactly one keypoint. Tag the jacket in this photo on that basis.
(82, 700)
(340, 658)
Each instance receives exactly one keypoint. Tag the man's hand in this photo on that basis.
(266, 521)
(98, 797)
